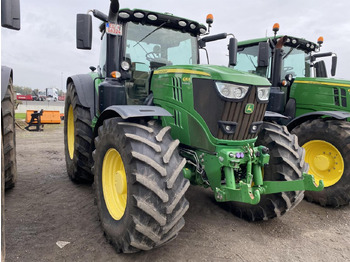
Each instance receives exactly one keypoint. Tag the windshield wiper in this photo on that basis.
(290, 51)
(159, 27)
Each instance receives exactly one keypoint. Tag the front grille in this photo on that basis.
(213, 109)
(234, 112)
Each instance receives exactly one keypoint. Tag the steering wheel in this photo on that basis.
(287, 68)
(151, 56)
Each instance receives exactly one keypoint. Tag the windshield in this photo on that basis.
(148, 46)
(247, 61)
(294, 62)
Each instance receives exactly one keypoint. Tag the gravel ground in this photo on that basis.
(46, 207)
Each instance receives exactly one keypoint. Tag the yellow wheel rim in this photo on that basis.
(70, 132)
(325, 161)
(114, 183)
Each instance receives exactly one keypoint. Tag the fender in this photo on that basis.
(269, 115)
(340, 115)
(6, 74)
(85, 88)
(130, 111)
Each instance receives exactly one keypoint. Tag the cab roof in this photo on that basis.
(165, 19)
(292, 41)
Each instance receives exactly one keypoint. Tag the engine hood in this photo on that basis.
(323, 81)
(218, 73)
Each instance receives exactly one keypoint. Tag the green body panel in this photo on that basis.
(97, 80)
(187, 125)
(217, 157)
(318, 94)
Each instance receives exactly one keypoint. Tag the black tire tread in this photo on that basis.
(79, 168)
(157, 211)
(9, 136)
(336, 132)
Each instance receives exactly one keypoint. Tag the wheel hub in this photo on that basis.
(325, 161)
(114, 184)
(70, 132)
(321, 162)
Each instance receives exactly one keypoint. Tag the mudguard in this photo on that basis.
(273, 115)
(130, 111)
(85, 88)
(314, 115)
(6, 74)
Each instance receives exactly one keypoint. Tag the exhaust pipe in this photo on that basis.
(113, 10)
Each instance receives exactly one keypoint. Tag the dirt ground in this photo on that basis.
(46, 207)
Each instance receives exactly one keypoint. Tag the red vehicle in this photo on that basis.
(25, 97)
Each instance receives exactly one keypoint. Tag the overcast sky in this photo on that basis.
(43, 52)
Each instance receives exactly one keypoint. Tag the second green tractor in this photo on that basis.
(316, 108)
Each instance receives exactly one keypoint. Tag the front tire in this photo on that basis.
(327, 145)
(9, 136)
(139, 185)
(78, 137)
(286, 163)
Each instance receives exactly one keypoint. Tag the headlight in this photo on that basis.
(232, 91)
(263, 93)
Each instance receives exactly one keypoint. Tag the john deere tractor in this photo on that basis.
(149, 120)
(317, 108)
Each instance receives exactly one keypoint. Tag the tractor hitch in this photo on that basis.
(245, 193)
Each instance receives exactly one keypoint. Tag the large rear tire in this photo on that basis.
(78, 138)
(327, 145)
(9, 136)
(139, 184)
(286, 163)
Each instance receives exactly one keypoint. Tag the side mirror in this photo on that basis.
(84, 31)
(334, 65)
(263, 55)
(202, 42)
(10, 14)
(232, 51)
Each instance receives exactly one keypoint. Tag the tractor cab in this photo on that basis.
(298, 58)
(297, 72)
(142, 41)
(148, 40)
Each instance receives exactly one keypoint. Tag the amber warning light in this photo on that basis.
(320, 40)
(210, 19)
(276, 27)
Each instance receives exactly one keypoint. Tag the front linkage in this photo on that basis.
(237, 174)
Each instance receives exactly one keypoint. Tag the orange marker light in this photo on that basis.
(320, 40)
(276, 27)
(210, 19)
(115, 74)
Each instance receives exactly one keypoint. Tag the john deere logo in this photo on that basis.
(249, 108)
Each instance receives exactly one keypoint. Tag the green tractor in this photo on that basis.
(317, 108)
(149, 120)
